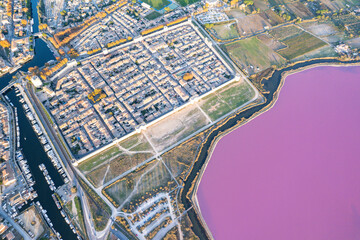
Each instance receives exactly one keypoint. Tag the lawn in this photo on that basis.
(184, 3)
(99, 158)
(226, 99)
(252, 55)
(300, 44)
(153, 15)
(225, 31)
(157, 4)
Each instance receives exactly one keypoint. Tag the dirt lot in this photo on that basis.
(176, 127)
(32, 221)
(248, 24)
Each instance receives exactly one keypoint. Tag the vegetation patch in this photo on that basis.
(99, 158)
(184, 3)
(300, 44)
(223, 31)
(153, 15)
(252, 55)
(157, 4)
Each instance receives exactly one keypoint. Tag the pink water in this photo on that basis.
(293, 173)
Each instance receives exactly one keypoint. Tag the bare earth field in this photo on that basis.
(271, 17)
(176, 127)
(32, 222)
(226, 99)
(248, 24)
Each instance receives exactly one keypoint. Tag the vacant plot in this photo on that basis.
(300, 10)
(120, 190)
(299, 45)
(180, 158)
(248, 24)
(321, 29)
(125, 163)
(157, 4)
(285, 32)
(176, 127)
(32, 222)
(99, 159)
(227, 99)
(334, 5)
(252, 55)
(136, 143)
(355, 43)
(225, 31)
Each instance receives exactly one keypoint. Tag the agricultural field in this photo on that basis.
(176, 127)
(325, 51)
(300, 44)
(271, 17)
(252, 55)
(226, 99)
(300, 10)
(157, 4)
(283, 33)
(272, 43)
(224, 31)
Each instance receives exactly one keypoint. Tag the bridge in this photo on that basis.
(10, 85)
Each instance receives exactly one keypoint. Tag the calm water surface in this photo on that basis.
(293, 172)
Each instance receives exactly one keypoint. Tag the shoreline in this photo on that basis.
(208, 151)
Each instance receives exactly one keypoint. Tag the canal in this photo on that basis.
(30, 144)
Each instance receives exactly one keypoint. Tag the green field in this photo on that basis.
(153, 15)
(184, 3)
(226, 99)
(224, 31)
(299, 45)
(99, 158)
(157, 4)
(252, 55)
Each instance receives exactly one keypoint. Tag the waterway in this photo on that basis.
(31, 147)
(292, 172)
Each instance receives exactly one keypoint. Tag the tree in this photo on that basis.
(249, 2)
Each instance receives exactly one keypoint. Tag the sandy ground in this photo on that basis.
(32, 222)
(248, 24)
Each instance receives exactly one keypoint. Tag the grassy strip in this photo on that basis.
(80, 213)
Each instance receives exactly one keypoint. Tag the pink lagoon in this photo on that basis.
(292, 173)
